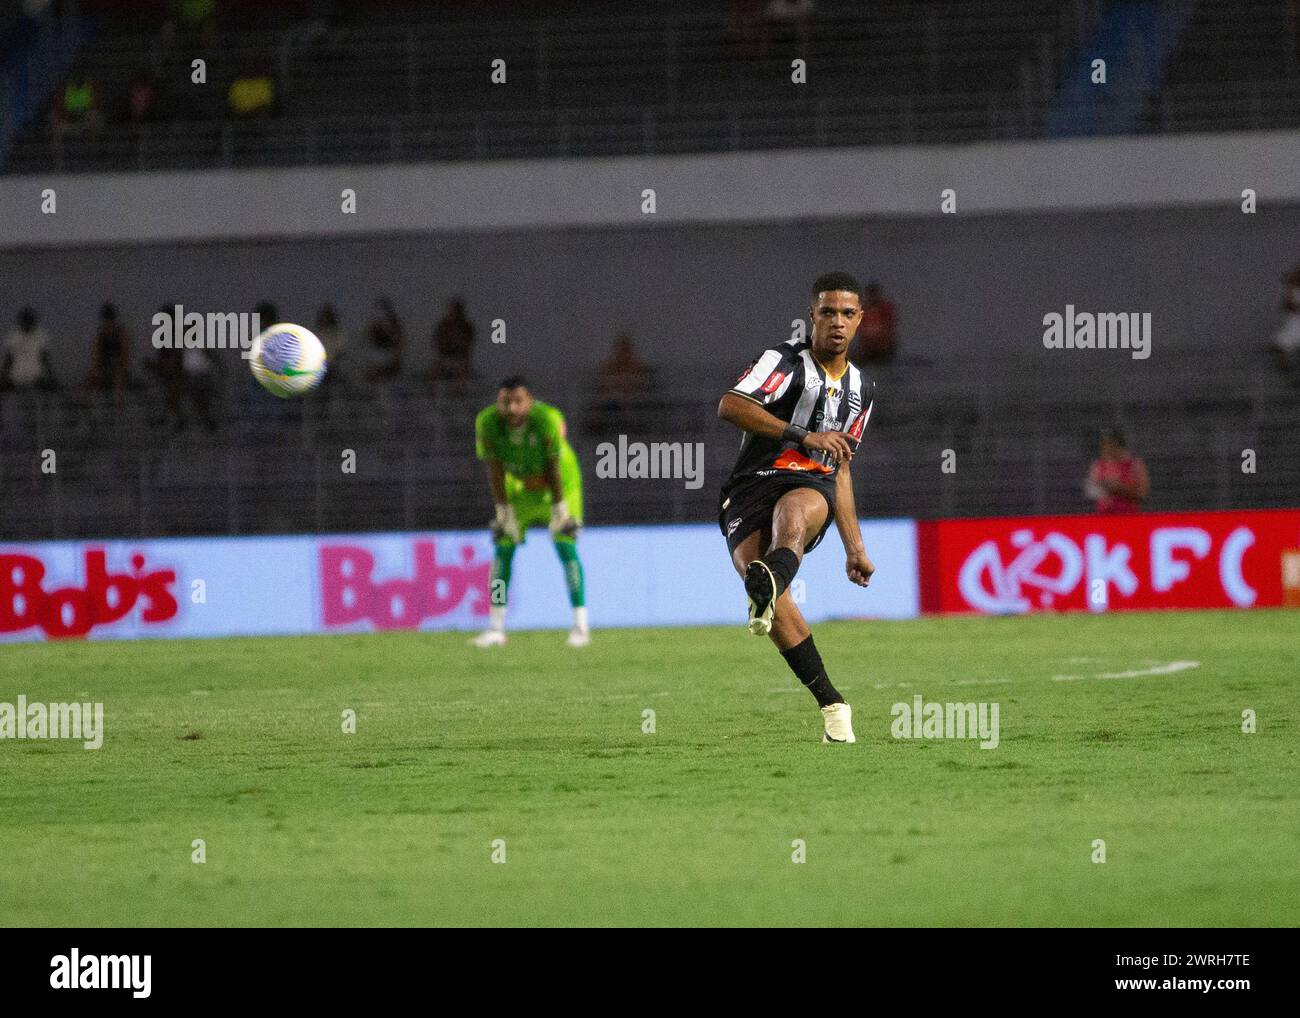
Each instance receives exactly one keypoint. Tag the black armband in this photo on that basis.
(794, 433)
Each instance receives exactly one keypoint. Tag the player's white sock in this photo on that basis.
(580, 618)
(497, 618)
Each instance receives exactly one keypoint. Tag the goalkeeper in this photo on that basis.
(535, 481)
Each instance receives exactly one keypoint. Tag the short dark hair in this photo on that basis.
(1115, 435)
(512, 382)
(836, 281)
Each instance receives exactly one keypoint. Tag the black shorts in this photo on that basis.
(748, 504)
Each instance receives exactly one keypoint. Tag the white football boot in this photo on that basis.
(760, 585)
(490, 638)
(579, 637)
(838, 718)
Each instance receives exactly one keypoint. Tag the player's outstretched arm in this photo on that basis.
(497, 481)
(505, 524)
(857, 565)
(749, 416)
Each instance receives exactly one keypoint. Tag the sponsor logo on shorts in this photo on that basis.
(731, 527)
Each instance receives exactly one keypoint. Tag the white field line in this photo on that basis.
(1164, 669)
(902, 685)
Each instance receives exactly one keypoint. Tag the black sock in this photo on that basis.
(806, 663)
(784, 564)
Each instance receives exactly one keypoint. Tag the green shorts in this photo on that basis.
(533, 508)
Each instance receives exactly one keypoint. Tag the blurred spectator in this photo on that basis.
(170, 372)
(624, 379)
(331, 333)
(26, 361)
(1117, 480)
(625, 376)
(453, 346)
(142, 98)
(110, 357)
(386, 336)
(195, 21)
(187, 377)
(1286, 344)
(251, 95)
(877, 336)
(77, 105)
(335, 340)
(791, 22)
(199, 368)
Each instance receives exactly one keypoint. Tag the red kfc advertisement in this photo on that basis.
(1109, 563)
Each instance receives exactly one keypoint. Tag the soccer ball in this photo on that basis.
(287, 360)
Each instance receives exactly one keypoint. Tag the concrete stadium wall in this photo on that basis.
(741, 187)
(706, 296)
(561, 251)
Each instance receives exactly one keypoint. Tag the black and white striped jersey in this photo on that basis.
(788, 383)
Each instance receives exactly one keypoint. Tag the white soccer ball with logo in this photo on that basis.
(287, 360)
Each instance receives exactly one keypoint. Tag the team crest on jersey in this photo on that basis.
(855, 402)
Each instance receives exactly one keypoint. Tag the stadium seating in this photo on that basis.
(668, 78)
(1016, 452)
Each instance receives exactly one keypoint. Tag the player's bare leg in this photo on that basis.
(797, 518)
(794, 524)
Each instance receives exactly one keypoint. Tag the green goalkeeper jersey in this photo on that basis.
(524, 451)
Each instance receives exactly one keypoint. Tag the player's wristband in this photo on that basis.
(794, 433)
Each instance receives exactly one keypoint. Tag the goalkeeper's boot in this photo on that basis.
(760, 585)
(490, 638)
(838, 719)
(578, 637)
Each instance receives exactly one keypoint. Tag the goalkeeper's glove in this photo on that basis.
(562, 524)
(506, 524)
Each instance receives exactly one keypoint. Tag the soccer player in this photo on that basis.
(535, 481)
(803, 408)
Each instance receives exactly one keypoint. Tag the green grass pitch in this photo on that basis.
(240, 743)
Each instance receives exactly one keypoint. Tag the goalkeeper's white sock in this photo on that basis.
(580, 619)
(497, 618)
